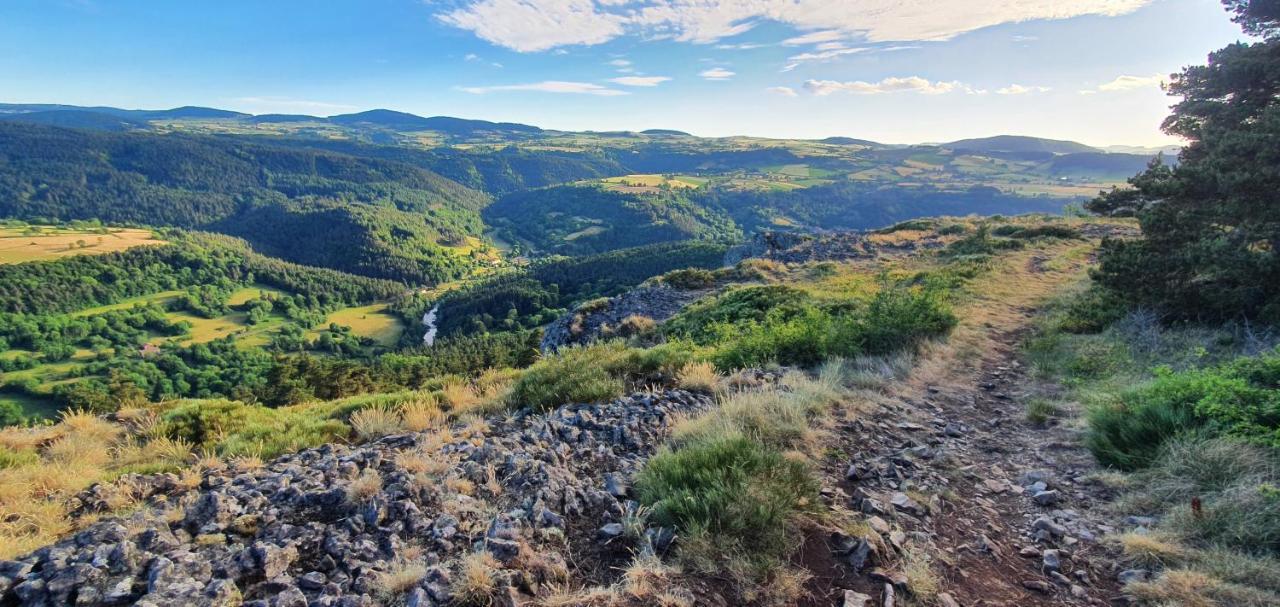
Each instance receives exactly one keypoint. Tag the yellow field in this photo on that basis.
(17, 246)
(648, 183)
(374, 321)
(1032, 189)
(583, 233)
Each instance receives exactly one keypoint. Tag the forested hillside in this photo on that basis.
(406, 215)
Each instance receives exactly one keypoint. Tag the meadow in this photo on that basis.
(36, 243)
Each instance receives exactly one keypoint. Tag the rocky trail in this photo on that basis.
(947, 470)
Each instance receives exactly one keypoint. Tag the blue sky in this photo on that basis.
(901, 71)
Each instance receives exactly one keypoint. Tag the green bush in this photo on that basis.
(981, 243)
(736, 306)
(690, 279)
(738, 491)
(11, 414)
(1092, 311)
(954, 229)
(10, 458)
(1241, 399)
(895, 319)
(573, 375)
(911, 224)
(232, 428)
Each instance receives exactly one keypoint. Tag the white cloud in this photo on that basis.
(640, 80)
(785, 91)
(288, 105)
(910, 84)
(474, 58)
(535, 25)
(744, 46)
(1018, 89)
(1127, 83)
(620, 63)
(825, 55)
(549, 86)
(816, 37)
(717, 73)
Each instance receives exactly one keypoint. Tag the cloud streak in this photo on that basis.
(1128, 83)
(537, 25)
(549, 86)
(910, 84)
(717, 73)
(640, 80)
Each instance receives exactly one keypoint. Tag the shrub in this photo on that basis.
(980, 243)
(699, 377)
(954, 229)
(919, 225)
(896, 318)
(635, 324)
(375, 422)
(579, 375)
(1092, 311)
(1241, 398)
(736, 490)
(736, 306)
(11, 414)
(690, 279)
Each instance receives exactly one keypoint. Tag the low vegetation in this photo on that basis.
(1190, 411)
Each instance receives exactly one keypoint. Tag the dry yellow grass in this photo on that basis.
(375, 422)
(16, 246)
(422, 413)
(367, 485)
(699, 377)
(476, 582)
(64, 458)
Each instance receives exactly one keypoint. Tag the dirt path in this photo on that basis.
(971, 502)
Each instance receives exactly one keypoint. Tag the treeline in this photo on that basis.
(589, 219)
(75, 283)
(306, 205)
(576, 220)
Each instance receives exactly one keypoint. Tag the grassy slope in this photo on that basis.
(52, 243)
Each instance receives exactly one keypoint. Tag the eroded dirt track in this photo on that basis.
(955, 484)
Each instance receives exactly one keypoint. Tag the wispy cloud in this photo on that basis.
(289, 105)
(825, 55)
(549, 86)
(1018, 89)
(785, 91)
(816, 37)
(717, 73)
(537, 25)
(1126, 83)
(474, 58)
(910, 84)
(742, 46)
(640, 80)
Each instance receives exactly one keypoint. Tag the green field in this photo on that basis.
(373, 321)
(36, 243)
(161, 297)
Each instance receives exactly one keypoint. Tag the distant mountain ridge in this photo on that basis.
(380, 120)
(1019, 144)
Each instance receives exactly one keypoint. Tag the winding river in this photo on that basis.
(429, 319)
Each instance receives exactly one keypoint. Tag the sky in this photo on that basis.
(896, 71)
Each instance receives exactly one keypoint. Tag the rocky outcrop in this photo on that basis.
(604, 318)
(387, 521)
